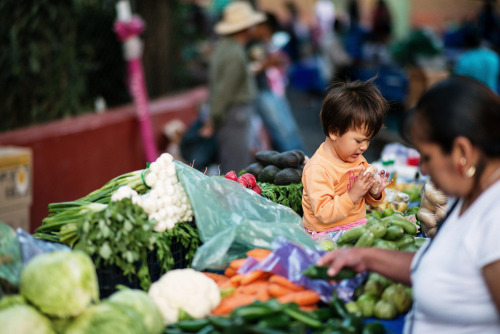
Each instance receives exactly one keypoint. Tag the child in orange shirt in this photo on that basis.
(337, 186)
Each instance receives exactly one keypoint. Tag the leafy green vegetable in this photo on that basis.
(289, 195)
(184, 235)
(140, 302)
(107, 317)
(120, 235)
(24, 319)
(60, 283)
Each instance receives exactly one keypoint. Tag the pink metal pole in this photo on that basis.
(128, 28)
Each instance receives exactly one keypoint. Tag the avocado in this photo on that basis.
(254, 169)
(266, 158)
(268, 173)
(301, 155)
(288, 159)
(287, 176)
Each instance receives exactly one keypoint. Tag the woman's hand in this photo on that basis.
(351, 257)
(395, 265)
(361, 186)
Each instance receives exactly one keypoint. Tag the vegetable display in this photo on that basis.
(391, 232)
(381, 298)
(126, 220)
(59, 294)
(140, 217)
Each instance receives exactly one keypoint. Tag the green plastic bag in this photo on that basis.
(232, 220)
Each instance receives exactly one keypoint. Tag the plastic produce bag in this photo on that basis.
(16, 249)
(289, 260)
(31, 247)
(232, 220)
(10, 257)
(433, 207)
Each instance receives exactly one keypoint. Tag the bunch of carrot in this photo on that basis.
(259, 285)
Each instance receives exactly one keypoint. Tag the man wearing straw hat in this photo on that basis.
(232, 87)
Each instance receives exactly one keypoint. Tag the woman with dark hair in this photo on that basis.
(455, 274)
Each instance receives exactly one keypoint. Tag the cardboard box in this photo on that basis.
(15, 185)
(18, 216)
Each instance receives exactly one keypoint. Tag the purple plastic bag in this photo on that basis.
(290, 260)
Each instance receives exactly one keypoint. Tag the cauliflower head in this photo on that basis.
(187, 290)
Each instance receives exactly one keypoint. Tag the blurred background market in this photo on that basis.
(66, 100)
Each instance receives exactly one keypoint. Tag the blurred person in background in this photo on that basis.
(376, 49)
(269, 65)
(478, 61)
(232, 87)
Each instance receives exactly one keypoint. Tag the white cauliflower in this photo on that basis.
(187, 290)
(167, 203)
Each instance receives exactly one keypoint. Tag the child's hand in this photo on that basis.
(361, 186)
(384, 183)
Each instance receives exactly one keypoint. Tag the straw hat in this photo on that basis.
(238, 15)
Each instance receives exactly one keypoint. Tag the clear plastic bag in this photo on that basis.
(232, 220)
(433, 206)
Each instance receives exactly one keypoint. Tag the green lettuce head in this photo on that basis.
(60, 283)
(109, 318)
(140, 302)
(24, 319)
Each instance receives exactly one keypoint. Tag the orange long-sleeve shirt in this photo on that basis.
(325, 201)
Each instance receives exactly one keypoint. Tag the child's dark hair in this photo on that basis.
(353, 105)
(459, 106)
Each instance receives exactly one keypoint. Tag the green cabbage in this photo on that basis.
(109, 318)
(140, 302)
(11, 300)
(24, 319)
(60, 283)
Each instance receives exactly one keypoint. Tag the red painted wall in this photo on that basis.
(75, 156)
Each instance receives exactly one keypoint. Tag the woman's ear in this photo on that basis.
(463, 154)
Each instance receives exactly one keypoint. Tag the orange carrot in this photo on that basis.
(278, 279)
(263, 295)
(254, 288)
(236, 264)
(309, 308)
(228, 304)
(305, 297)
(278, 290)
(251, 277)
(259, 253)
(218, 278)
(228, 284)
(230, 272)
(236, 279)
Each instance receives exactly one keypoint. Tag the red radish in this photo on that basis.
(231, 175)
(257, 189)
(243, 181)
(252, 182)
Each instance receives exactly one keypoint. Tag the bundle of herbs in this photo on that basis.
(289, 195)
